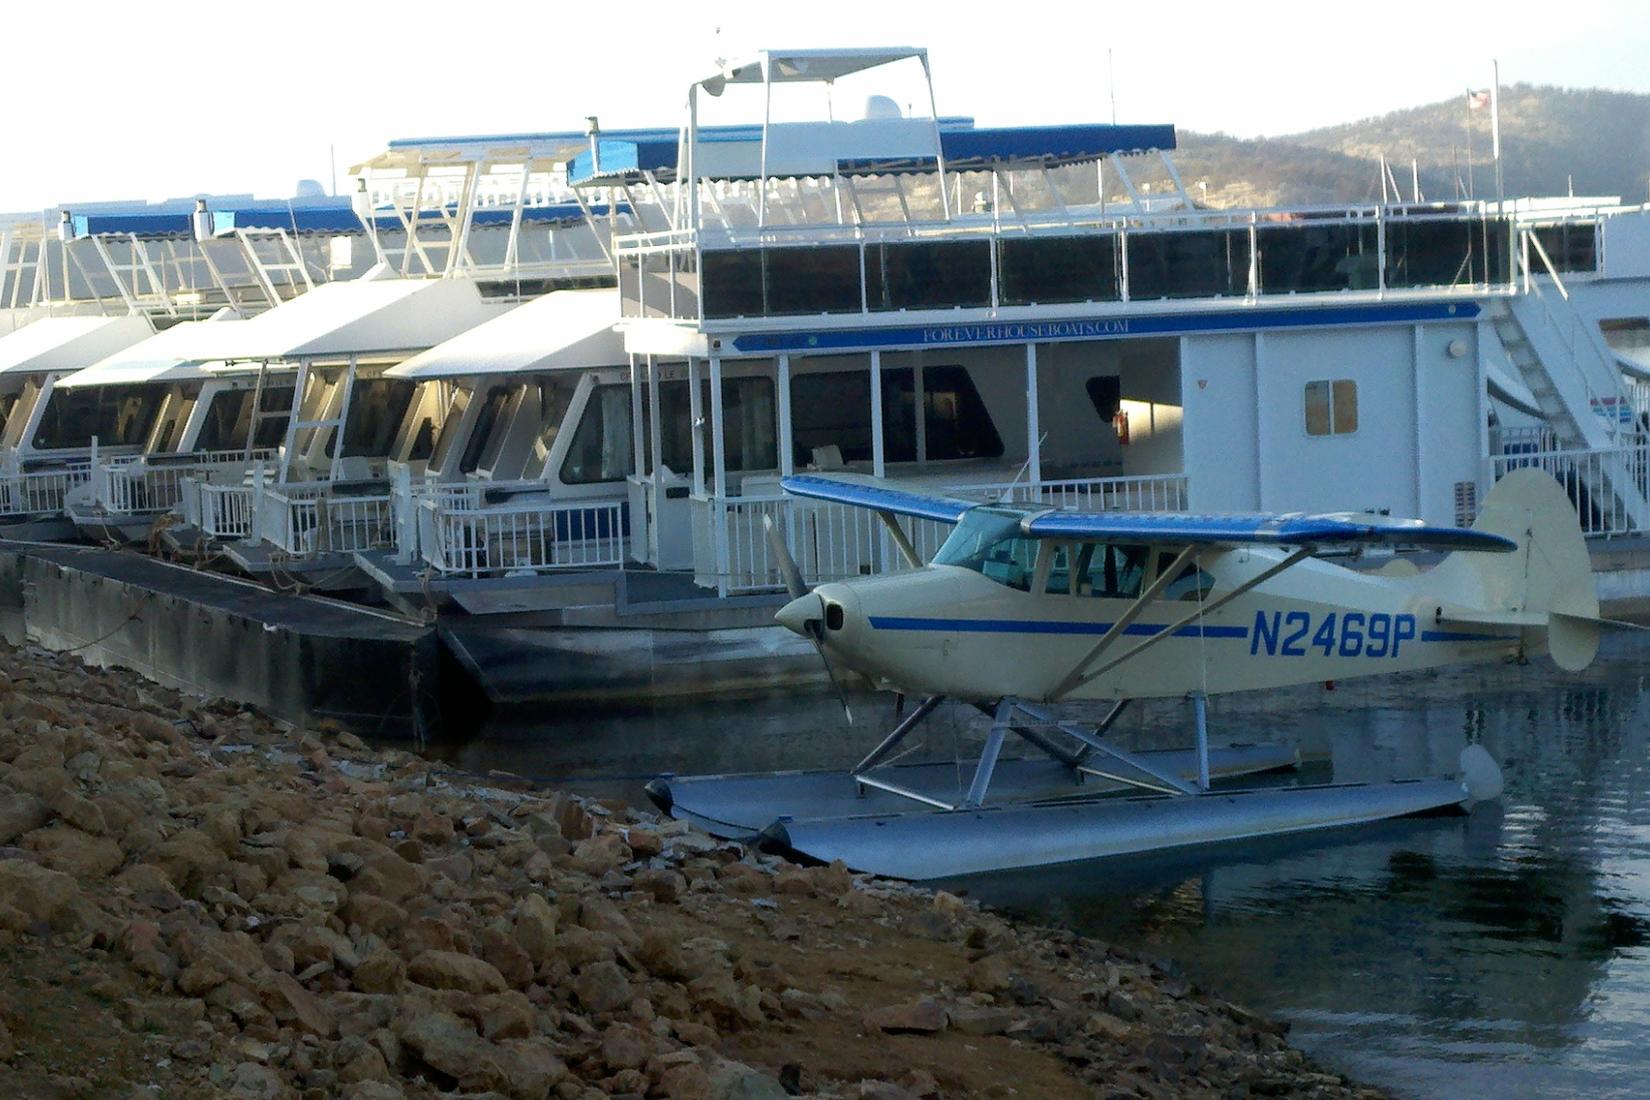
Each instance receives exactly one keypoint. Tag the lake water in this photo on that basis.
(1505, 953)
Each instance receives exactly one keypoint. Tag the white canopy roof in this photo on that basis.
(564, 330)
(820, 65)
(364, 316)
(68, 343)
(177, 354)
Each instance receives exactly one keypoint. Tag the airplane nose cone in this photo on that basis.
(796, 615)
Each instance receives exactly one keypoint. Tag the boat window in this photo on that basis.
(835, 410)
(119, 416)
(750, 434)
(1188, 264)
(276, 405)
(1191, 583)
(1305, 258)
(554, 396)
(988, 541)
(1446, 251)
(226, 419)
(812, 280)
(450, 422)
(928, 274)
(1042, 270)
(376, 408)
(481, 437)
(601, 449)
(1332, 407)
(7, 404)
(1109, 571)
(1572, 246)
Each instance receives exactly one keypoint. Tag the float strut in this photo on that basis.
(988, 755)
(889, 743)
(1200, 715)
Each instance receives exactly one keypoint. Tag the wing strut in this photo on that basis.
(901, 539)
(1078, 677)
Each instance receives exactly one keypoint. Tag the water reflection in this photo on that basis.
(1502, 954)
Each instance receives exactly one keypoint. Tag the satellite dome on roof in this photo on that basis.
(309, 189)
(880, 107)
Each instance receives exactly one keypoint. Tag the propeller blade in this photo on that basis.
(782, 555)
(814, 630)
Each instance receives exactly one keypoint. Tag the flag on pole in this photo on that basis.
(1477, 101)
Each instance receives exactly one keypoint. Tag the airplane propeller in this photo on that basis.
(814, 627)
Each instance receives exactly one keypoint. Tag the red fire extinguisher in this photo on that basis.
(1120, 424)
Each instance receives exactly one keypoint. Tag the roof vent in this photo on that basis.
(879, 107)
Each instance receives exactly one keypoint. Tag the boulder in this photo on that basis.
(921, 1017)
(535, 928)
(736, 1081)
(601, 854)
(294, 1006)
(380, 972)
(75, 852)
(602, 987)
(452, 970)
(20, 812)
(79, 811)
(44, 897)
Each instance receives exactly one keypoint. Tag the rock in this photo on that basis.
(623, 1047)
(500, 949)
(373, 914)
(529, 1068)
(78, 811)
(883, 1090)
(458, 867)
(452, 970)
(992, 974)
(20, 812)
(663, 884)
(922, 1017)
(571, 817)
(1109, 1027)
(535, 928)
(602, 987)
(447, 1044)
(380, 972)
(736, 1081)
(293, 1005)
(190, 859)
(8, 1046)
(644, 843)
(75, 852)
(687, 1081)
(250, 1081)
(374, 1090)
(354, 1059)
(979, 1019)
(601, 854)
(505, 1016)
(44, 897)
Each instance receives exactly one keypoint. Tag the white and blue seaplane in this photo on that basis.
(1025, 607)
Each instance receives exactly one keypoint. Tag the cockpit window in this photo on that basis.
(1111, 572)
(988, 541)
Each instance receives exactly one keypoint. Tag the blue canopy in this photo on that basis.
(1051, 145)
(1167, 528)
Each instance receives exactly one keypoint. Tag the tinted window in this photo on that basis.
(1332, 407)
(750, 437)
(835, 410)
(276, 404)
(1306, 258)
(1571, 247)
(224, 427)
(117, 415)
(1197, 264)
(813, 280)
(1056, 269)
(376, 408)
(601, 449)
(1446, 252)
(988, 541)
(486, 423)
(733, 283)
(928, 274)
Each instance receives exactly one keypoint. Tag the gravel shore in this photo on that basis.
(197, 902)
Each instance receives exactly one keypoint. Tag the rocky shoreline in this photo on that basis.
(198, 902)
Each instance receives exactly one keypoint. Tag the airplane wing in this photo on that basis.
(877, 498)
(1270, 529)
(1169, 528)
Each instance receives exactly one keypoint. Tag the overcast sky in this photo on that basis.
(161, 99)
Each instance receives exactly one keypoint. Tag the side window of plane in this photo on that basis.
(1111, 572)
(1192, 583)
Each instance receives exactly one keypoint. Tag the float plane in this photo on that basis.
(1025, 607)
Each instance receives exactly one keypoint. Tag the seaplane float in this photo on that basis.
(1024, 608)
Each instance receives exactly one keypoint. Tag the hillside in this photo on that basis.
(1549, 136)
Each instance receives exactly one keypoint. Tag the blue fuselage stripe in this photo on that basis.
(1464, 636)
(1032, 626)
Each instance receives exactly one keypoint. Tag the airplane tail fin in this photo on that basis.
(1545, 586)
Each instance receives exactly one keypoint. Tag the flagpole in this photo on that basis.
(1495, 133)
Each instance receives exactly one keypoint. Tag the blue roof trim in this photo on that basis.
(954, 334)
(876, 498)
(1268, 529)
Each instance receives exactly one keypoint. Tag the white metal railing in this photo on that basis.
(222, 512)
(1523, 439)
(1595, 481)
(835, 541)
(41, 492)
(459, 534)
(306, 519)
(135, 485)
